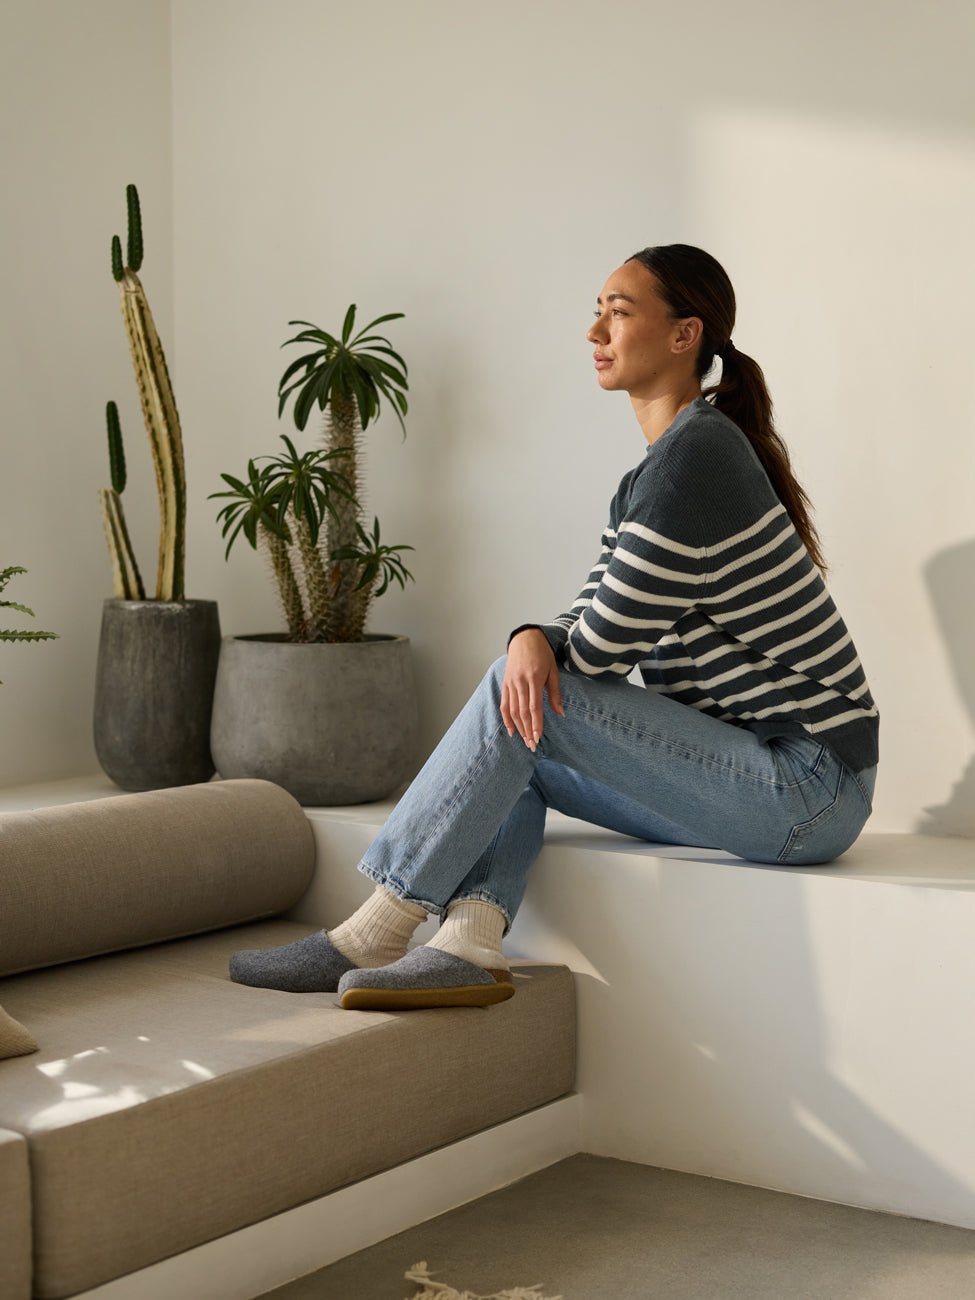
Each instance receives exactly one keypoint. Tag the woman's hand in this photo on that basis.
(531, 670)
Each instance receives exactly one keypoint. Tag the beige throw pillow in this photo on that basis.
(14, 1038)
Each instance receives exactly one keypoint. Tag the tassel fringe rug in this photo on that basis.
(432, 1290)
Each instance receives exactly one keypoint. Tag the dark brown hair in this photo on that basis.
(693, 283)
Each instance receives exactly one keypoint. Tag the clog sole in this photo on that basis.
(466, 995)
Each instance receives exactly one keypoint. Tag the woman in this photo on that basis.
(754, 732)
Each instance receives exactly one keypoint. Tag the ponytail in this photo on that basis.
(693, 283)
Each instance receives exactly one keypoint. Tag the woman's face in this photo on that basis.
(636, 342)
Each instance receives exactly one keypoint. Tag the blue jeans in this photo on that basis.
(624, 757)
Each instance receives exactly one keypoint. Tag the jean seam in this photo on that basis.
(673, 747)
(399, 889)
(801, 829)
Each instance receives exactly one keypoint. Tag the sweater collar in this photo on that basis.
(680, 419)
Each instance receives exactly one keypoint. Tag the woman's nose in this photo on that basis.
(594, 332)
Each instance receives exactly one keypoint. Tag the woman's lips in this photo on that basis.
(602, 363)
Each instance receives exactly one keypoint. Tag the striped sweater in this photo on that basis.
(705, 586)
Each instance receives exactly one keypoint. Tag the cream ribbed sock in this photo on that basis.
(380, 931)
(473, 929)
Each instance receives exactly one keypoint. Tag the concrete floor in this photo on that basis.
(592, 1228)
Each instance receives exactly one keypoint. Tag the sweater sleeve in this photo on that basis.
(557, 632)
(651, 571)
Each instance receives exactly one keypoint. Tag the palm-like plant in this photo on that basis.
(347, 377)
(305, 509)
(7, 634)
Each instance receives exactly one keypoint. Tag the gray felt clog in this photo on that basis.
(425, 977)
(309, 965)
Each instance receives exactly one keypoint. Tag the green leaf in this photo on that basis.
(303, 406)
(7, 574)
(305, 362)
(347, 324)
(380, 320)
(30, 636)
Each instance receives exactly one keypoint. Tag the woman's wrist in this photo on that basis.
(525, 627)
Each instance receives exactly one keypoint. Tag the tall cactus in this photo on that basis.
(161, 419)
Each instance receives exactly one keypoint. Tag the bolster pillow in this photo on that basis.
(82, 879)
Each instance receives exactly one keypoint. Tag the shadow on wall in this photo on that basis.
(950, 577)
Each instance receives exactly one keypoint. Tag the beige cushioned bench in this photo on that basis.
(167, 1105)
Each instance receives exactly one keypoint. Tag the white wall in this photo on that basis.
(483, 168)
(85, 109)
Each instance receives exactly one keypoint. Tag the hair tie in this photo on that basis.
(729, 347)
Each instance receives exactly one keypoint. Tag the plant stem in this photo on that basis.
(287, 584)
(340, 529)
(317, 584)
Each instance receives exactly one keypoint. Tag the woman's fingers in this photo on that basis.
(531, 717)
(530, 672)
(506, 709)
(517, 712)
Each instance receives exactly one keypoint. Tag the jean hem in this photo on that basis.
(394, 887)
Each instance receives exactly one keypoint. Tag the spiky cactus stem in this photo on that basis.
(126, 578)
(342, 621)
(316, 581)
(165, 437)
(286, 584)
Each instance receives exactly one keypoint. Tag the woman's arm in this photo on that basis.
(536, 651)
(655, 573)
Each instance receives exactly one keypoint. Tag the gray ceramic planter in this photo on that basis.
(331, 722)
(157, 663)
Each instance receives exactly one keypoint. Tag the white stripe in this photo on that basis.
(658, 539)
(776, 651)
(649, 534)
(756, 633)
(833, 648)
(645, 598)
(586, 667)
(617, 647)
(758, 554)
(623, 620)
(805, 706)
(797, 557)
(769, 601)
(736, 538)
(839, 720)
(656, 570)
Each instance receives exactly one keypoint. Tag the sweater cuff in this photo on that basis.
(554, 633)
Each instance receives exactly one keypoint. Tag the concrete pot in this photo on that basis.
(157, 664)
(331, 722)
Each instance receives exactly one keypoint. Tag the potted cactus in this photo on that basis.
(8, 634)
(157, 656)
(325, 709)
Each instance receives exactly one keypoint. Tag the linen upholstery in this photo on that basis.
(15, 1247)
(169, 1105)
(15, 1040)
(81, 879)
